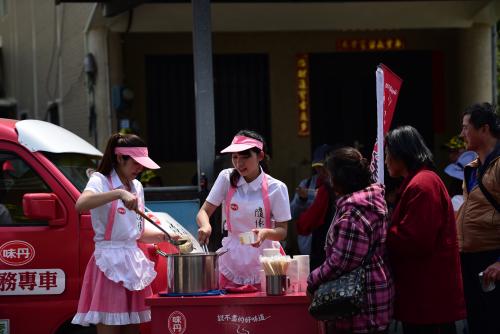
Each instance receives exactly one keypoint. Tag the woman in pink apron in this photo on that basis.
(251, 201)
(118, 274)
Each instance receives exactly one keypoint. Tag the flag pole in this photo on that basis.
(380, 124)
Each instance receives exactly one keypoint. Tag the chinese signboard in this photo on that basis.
(370, 44)
(303, 94)
(32, 282)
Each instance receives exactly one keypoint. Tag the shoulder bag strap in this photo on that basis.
(487, 194)
(370, 253)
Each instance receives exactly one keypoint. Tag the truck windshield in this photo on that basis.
(74, 166)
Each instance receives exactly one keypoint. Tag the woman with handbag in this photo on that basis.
(355, 243)
(422, 240)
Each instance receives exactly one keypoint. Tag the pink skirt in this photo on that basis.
(103, 301)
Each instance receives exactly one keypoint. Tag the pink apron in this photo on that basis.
(122, 260)
(240, 265)
(117, 277)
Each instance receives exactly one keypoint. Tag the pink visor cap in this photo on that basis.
(139, 154)
(242, 143)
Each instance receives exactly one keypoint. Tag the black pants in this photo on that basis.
(483, 308)
(447, 328)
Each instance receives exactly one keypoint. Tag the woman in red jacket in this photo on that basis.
(422, 240)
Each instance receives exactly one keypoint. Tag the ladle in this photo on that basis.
(169, 239)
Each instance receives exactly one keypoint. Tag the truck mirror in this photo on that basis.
(43, 206)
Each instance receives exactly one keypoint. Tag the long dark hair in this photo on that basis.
(349, 170)
(406, 144)
(109, 160)
(235, 175)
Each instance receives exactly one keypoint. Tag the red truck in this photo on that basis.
(45, 243)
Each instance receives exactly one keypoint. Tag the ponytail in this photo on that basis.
(109, 159)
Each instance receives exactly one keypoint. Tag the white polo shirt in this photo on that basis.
(251, 193)
(98, 183)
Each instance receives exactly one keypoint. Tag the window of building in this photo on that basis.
(241, 98)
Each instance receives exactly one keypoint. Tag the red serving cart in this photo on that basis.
(232, 313)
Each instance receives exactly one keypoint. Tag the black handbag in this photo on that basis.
(342, 297)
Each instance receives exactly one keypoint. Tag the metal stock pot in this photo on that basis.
(192, 273)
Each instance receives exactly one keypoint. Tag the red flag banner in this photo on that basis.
(388, 87)
(392, 85)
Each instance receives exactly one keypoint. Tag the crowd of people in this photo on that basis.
(422, 256)
(431, 261)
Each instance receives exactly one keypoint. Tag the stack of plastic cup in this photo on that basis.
(293, 274)
(262, 280)
(303, 271)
